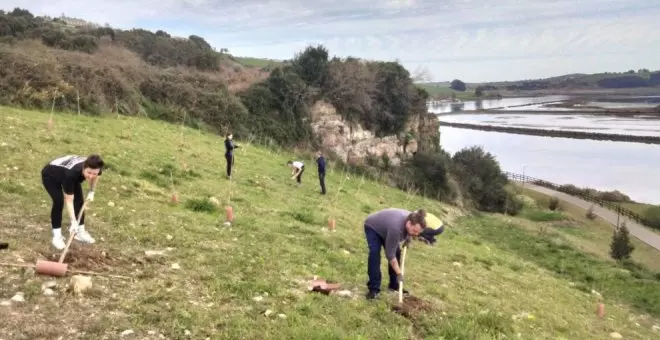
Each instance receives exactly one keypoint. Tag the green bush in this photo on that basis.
(428, 172)
(481, 179)
(514, 205)
(652, 216)
(590, 213)
(201, 205)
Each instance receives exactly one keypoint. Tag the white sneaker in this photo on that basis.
(58, 242)
(82, 235)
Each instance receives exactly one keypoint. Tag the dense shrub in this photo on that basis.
(553, 204)
(481, 179)
(428, 173)
(652, 216)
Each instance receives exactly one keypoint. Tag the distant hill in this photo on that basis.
(631, 79)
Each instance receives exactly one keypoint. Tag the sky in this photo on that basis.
(475, 41)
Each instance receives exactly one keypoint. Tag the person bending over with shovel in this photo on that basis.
(387, 228)
(62, 180)
(297, 169)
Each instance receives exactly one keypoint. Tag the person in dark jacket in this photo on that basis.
(229, 153)
(320, 161)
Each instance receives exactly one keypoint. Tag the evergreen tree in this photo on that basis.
(621, 248)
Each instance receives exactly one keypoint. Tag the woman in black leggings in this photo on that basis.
(62, 179)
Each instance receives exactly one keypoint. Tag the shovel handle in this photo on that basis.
(403, 262)
(68, 242)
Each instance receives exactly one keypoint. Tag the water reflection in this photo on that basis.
(537, 103)
(638, 125)
(628, 167)
(489, 104)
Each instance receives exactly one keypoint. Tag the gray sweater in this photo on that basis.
(390, 224)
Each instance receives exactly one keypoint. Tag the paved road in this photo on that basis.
(642, 233)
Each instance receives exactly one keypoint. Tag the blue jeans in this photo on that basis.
(375, 243)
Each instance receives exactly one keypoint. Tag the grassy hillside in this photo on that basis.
(488, 276)
(258, 62)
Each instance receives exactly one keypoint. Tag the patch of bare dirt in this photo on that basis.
(89, 258)
(412, 307)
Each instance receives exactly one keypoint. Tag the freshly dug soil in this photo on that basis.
(412, 307)
(87, 258)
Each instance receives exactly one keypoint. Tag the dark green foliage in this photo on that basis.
(379, 95)
(553, 204)
(621, 248)
(312, 65)
(429, 173)
(280, 107)
(481, 178)
(458, 85)
(393, 99)
(652, 216)
(513, 205)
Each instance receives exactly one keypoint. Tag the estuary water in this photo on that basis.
(631, 168)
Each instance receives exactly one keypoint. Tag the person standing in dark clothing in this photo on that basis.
(229, 153)
(62, 180)
(320, 161)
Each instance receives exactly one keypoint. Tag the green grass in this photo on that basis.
(446, 92)
(543, 215)
(257, 62)
(487, 277)
(590, 236)
(638, 208)
(633, 284)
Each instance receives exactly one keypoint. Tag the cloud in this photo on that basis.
(470, 40)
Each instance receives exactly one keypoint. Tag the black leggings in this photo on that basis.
(299, 177)
(230, 162)
(54, 189)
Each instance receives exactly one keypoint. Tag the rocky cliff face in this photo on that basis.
(353, 144)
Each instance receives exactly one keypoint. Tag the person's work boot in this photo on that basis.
(372, 294)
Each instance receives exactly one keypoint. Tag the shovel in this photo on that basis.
(403, 262)
(58, 268)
